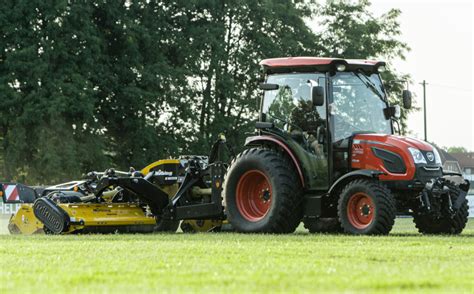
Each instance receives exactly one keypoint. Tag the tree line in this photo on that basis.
(86, 85)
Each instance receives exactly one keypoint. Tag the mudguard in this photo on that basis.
(463, 185)
(367, 173)
(265, 138)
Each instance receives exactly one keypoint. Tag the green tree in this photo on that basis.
(87, 85)
(350, 30)
(138, 81)
(223, 68)
(48, 123)
(455, 149)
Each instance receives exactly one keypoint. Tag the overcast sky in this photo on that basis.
(440, 35)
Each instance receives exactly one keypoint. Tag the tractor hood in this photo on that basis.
(391, 154)
(394, 140)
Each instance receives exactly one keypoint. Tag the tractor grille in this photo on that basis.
(425, 174)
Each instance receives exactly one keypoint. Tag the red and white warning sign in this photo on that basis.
(11, 192)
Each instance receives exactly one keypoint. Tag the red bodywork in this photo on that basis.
(289, 64)
(309, 61)
(364, 158)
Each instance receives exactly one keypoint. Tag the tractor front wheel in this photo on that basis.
(446, 223)
(263, 193)
(366, 207)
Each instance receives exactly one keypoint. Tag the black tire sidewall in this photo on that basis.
(384, 207)
(427, 224)
(235, 217)
(245, 163)
(343, 213)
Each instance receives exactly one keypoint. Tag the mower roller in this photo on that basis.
(325, 152)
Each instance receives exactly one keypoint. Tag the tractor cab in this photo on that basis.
(321, 103)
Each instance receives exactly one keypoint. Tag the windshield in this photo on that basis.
(358, 105)
(290, 107)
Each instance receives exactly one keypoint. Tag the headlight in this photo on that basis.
(437, 156)
(417, 155)
(341, 67)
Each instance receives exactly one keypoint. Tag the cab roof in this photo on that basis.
(305, 63)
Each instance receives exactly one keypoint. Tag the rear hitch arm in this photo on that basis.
(149, 193)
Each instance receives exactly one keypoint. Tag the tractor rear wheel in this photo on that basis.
(263, 193)
(329, 225)
(447, 224)
(366, 207)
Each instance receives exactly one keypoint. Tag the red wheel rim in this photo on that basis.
(254, 195)
(360, 210)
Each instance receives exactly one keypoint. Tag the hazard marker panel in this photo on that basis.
(11, 193)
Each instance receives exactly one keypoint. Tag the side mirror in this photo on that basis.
(317, 96)
(406, 94)
(268, 87)
(392, 111)
(397, 111)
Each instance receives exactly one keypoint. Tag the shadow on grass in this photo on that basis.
(466, 235)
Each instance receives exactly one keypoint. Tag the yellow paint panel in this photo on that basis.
(25, 221)
(147, 168)
(103, 214)
(113, 214)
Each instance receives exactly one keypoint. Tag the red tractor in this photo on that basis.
(325, 153)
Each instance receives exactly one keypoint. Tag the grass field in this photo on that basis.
(226, 262)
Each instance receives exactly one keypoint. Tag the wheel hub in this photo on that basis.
(253, 195)
(365, 210)
(265, 195)
(360, 210)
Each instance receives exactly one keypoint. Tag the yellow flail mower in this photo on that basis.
(158, 198)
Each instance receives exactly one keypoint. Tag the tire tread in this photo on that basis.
(288, 216)
(385, 205)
